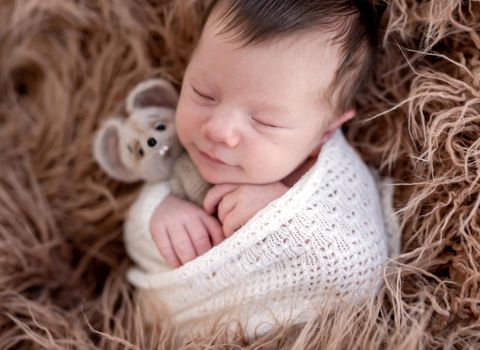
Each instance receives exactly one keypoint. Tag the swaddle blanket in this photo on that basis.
(326, 233)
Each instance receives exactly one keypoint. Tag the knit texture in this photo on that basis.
(186, 182)
(325, 235)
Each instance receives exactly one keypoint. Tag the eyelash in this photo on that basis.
(202, 95)
(264, 124)
(212, 99)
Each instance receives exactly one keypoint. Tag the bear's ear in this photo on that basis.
(106, 151)
(152, 92)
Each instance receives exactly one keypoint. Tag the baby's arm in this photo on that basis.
(239, 203)
(181, 230)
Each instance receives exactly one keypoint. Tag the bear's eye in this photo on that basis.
(160, 127)
(140, 151)
(130, 148)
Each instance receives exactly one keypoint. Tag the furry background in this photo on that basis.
(65, 65)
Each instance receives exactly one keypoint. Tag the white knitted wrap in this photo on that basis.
(326, 233)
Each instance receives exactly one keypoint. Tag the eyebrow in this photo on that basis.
(260, 105)
(202, 74)
(282, 110)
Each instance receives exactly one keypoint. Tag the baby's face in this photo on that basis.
(258, 110)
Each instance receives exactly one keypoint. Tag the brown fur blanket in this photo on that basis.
(65, 65)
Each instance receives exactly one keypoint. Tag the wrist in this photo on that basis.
(283, 187)
(274, 189)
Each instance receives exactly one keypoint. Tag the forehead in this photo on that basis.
(302, 64)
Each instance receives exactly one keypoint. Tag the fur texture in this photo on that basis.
(66, 65)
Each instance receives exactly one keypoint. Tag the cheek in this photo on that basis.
(189, 112)
(278, 160)
(184, 121)
(265, 159)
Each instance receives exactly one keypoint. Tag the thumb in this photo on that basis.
(215, 195)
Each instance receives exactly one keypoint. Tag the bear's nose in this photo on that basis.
(151, 142)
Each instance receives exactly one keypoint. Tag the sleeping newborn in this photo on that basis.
(262, 101)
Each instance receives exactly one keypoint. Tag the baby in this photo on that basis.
(267, 85)
(263, 97)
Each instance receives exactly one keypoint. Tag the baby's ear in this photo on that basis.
(106, 151)
(152, 92)
(337, 123)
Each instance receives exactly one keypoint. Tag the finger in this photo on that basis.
(233, 221)
(164, 245)
(181, 243)
(199, 236)
(215, 194)
(226, 205)
(214, 229)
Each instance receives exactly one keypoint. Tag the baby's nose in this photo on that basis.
(221, 132)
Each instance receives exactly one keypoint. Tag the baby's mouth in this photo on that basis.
(212, 159)
(206, 156)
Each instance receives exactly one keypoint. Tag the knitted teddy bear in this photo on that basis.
(145, 146)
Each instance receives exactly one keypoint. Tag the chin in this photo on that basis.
(211, 177)
(218, 179)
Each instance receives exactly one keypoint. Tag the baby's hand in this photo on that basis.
(239, 203)
(182, 230)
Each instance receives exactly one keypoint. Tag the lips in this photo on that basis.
(211, 158)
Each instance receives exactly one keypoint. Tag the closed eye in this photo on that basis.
(264, 124)
(202, 95)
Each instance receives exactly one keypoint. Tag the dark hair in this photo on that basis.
(353, 24)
